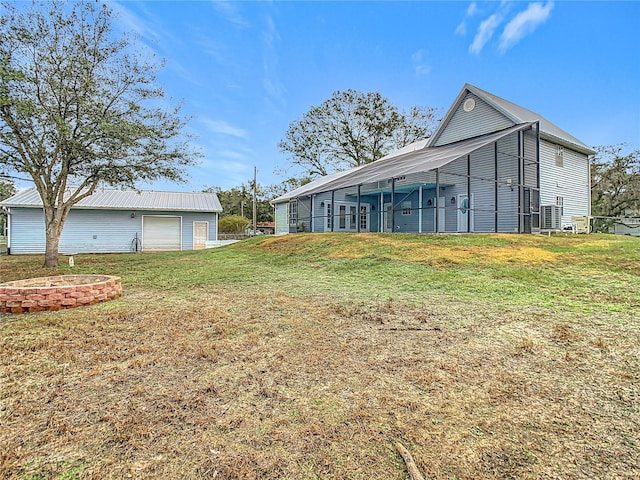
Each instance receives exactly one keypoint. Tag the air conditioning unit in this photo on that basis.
(550, 217)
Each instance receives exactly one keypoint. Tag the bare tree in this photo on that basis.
(79, 108)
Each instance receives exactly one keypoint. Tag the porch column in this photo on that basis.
(437, 215)
(358, 210)
(393, 204)
(381, 226)
(333, 207)
(420, 209)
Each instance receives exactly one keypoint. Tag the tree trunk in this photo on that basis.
(52, 243)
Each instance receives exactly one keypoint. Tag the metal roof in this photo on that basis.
(105, 199)
(415, 158)
(516, 114)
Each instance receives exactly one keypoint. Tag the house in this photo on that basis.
(112, 221)
(268, 228)
(490, 166)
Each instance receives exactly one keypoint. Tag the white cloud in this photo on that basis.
(271, 82)
(524, 23)
(472, 10)
(229, 11)
(223, 128)
(485, 32)
(420, 66)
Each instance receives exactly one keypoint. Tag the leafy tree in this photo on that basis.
(79, 108)
(278, 189)
(351, 129)
(7, 190)
(615, 182)
(238, 201)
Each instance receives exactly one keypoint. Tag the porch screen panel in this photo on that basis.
(321, 209)
(482, 173)
(508, 218)
(370, 197)
(453, 182)
(344, 211)
(304, 214)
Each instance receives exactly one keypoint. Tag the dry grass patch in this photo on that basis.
(271, 360)
(247, 385)
(404, 248)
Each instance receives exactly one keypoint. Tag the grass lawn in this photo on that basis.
(309, 356)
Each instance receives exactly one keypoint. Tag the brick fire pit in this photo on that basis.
(55, 293)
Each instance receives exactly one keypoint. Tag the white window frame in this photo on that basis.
(406, 208)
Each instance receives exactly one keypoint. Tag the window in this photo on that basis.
(353, 220)
(560, 203)
(559, 155)
(328, 216)
(293, 212)
(363, 217)
(406, 208)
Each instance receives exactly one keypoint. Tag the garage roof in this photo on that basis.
(107, 199)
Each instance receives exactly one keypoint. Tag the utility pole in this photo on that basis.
(255, 187)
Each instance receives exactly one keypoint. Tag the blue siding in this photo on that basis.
(96, 231)
(569, 181)
(479, 121)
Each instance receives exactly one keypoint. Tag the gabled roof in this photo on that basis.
(104, 199)
(516, 114)
(414, 158)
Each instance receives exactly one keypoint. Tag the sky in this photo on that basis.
(245, 70)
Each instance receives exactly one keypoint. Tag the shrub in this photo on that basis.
(233, 224)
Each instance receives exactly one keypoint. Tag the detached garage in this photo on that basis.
(117, 221)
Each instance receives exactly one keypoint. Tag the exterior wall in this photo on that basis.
(96, 231)
(482, 119)
(570, 181)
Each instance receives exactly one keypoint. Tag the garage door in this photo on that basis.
(161, 233)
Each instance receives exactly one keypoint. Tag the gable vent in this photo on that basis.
(469, 104)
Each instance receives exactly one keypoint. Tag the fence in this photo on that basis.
(617, 225)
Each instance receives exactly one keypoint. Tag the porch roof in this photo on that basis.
(400, 163)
